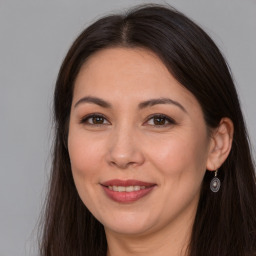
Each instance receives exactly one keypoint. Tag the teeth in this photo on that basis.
(126, 189)
(136, 188)
(121, 189)
(129, 189)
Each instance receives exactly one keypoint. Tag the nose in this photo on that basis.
(124, 150)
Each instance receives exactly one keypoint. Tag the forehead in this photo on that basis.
(128, 73)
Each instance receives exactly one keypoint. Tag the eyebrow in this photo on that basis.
(148, 103)
(152, 102)
(95, 100)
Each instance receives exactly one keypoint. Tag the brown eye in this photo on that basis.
(160, 121)
(97, 120)
(94, 120)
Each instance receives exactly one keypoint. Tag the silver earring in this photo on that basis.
(215, 183)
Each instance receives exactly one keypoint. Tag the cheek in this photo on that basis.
(178, 150)
(181, 164)
(86, 163)
(84, 155)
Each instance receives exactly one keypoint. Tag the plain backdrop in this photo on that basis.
(34, 38)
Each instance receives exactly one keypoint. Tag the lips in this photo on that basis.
(126, 191)
(126, 183)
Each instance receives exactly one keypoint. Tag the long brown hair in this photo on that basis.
(225, 222)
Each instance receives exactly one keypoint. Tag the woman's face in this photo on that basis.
(137, 141)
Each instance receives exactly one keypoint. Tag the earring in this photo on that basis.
(215, 183)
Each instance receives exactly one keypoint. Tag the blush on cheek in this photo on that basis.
(170, 154)
(84, 153)
(84, 165)
(180, 159)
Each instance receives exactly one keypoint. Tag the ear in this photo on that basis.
(220, 144)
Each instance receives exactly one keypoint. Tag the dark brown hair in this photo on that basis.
(225, 223)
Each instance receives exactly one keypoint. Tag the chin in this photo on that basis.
(128, 225)
(133, 230)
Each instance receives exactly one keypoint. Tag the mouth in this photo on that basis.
(126, 191)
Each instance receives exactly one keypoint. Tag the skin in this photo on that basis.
(127, 143)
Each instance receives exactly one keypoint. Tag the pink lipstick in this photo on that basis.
(126, 191)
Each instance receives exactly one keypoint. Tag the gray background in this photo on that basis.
(34, 37)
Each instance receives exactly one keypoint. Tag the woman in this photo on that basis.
(151, 153)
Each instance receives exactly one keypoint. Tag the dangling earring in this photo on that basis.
(215, 183)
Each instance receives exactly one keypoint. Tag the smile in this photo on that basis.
(127, 191)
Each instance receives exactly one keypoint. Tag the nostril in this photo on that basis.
(123, 154)
(122, 164)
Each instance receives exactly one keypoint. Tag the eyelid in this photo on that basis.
(91, 115)
(170, 120)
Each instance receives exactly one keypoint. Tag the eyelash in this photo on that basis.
(164, 118)
(167, 119)
(85, 119)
